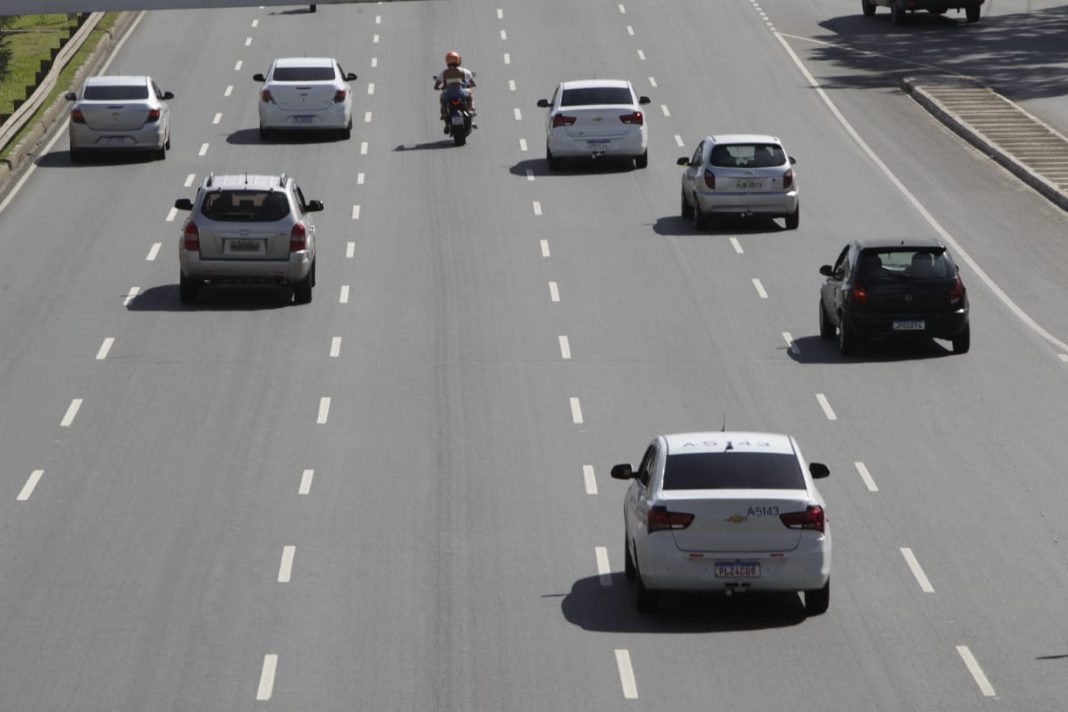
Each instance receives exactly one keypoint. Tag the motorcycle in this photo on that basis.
(457, 115)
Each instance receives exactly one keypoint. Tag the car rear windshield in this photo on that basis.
(116, 93)
(904, 264)
(733, 470)
(747, 155)
(245, 206)
(303, 74)
(596, 95)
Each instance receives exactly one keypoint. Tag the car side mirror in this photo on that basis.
(827, 270)
(70, 96)
(644, 100)
(793, 161)
(818, 470)
(623, 472)
(183, 204)
(543, 103)
(259, 78)
(684, 161)
(314, 206)
(168, 95)
(350, 77)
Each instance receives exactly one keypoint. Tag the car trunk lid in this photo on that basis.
(114, 115)
(596, 122)
(299, 97)
(737, 520)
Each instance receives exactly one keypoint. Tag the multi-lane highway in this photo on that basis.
(397, 497)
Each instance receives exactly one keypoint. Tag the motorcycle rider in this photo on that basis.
(455, 79)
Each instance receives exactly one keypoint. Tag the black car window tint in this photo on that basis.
(303, 74)
(245, 206)
(597, 95)
(870, 267)
(733, 470)
(116, 93)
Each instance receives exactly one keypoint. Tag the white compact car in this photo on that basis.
(593, 118)
(726, 512)
(305, 94)
(119, 113)
(740, 174)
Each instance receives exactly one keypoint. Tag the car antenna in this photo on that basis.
(723, 429)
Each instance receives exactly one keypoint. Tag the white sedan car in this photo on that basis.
(726, 512)
(593, 118)
(740, 174)
(306, 94)
(119, 113)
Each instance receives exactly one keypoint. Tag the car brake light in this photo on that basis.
(956, 292)
(812, 518)
(153, 115)
(710, 179)
(77, 116)
(265, 96)
(632, 118)
(788, 179)
(857, 294)
(660, 518)
(339, 96)
(298, 238)
(561, 120)
(191, 237)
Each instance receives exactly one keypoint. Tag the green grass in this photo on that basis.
(66, 77)
(27, 41)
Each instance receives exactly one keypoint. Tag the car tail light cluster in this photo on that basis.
(956, 292)
(77, 117)
(660, 518)
(265, 96)
(812, 518)
(298, 238)
(191, 237)
(857, 294)
(339, 96)
(788, 179)
(153, 115)
(561, 120)
(634, 117)
(710, 179)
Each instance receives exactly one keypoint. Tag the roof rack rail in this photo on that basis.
(282, 180)
(210, 180)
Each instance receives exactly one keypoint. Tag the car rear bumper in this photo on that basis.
(937, 325)
(147, 138)
(665, 567)
(773, 204)
(295, 269)
(563, 146)
(336, 116)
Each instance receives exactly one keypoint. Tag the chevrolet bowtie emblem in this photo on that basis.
(598, 118)
(737, 518)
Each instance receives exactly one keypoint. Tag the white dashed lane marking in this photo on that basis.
(153, 252)
(652, 82)
(306, 478)
(343, 297)
(791, 345)
(72, 412)
(869, 482)
(641, 55)
(522, 143)
(826, 406)
(537, 207)
(977, 672)
(565, 347)
(554, 292)
(530, 175)
(507, 58)
(355, 212)
(266, 688)
(378, 19)
(759, 288)
(590, 479)
(255, 24)
(374, 39)
(189, 179)
(335, 347)
(917, 570)
(504, 35)
(324, 410)
(131, 295)
(285, 567)
(679, 141)
(604, 571)
(105, 348)
(545, 248)
(359, 178)
(363, 148)
(518, 114)
(622, 10)
(576, 411)
(31, 483)
(367, 117)
(737, 246)
(374, 61)
(216, 119)
(229, 90)
(630, 30)
(500, 14)
(203, 150)
(172, 214)
(371, 88)
(350, 250)
(237, 65)
(248, 41)
(511, 85)
(626, 674)
(664, 109)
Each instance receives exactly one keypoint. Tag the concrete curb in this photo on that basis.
(26, 150)
(914, 86)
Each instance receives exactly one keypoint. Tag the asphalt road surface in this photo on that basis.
(397, 497)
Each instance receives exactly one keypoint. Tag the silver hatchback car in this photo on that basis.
(248, 229)
(740, 174)
(119, 113)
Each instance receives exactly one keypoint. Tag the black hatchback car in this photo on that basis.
(894, 289)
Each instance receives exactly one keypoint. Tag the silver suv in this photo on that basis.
(248, 229)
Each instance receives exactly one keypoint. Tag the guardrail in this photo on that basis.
(24, 113)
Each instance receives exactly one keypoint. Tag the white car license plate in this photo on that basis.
(909, 325)
(598, 145)
(117, 140)
(749, 185)
(244, 246)
(737, 569)
(303, 119)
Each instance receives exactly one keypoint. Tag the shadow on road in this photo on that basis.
(428, 146)
(248, 137)
(61, 159)
(813, 349)
(722, 227)
(213, 298)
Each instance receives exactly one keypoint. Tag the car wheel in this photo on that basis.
(817, 601)
(168, 144)
(963, 341)
(555, 164)
(897, 15)
(302, 291)
(160, 154)
(188, 289)
(642, 161)
(826, 327)
(868, 7)
(628, 563)
(847, 340)
(645, 599)
(700, 220)
(794, 218)
(686, 209)
(346, 133)
(972, 13)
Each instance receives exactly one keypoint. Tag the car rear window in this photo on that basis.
(245, 206)
(747, 155)
(596, 95)
(904, 264)
(733, 470)
(303, 74)
(116, 93)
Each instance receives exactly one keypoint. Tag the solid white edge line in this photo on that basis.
(826, 406)
(72, 411)
(604, 570)
(917, 570)
(324, 410)
(1063, 357)
(31, 483)
(285, 567)
(545, 249)
(576, 411)
(737, 246)
(153, 252)
(626, 674)
(335, 347)
(920, 208)
(869, 481)
(306, 478)
(343, 297)
(266, 688)
(565, 347)
(977, 672)
(554, 291)
(590, 479)
(105, 348)
(791, 345)
(759, 288)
